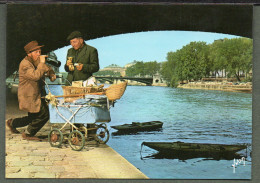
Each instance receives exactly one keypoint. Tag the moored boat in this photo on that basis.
(138, 126)
(177, 147)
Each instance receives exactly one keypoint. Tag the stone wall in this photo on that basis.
(225, 86)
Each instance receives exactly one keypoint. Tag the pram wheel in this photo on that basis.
(55, 137)
(76, 140)
(102, 135)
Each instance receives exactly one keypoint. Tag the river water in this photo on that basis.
(202, 116)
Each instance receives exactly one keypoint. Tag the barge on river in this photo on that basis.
(138, 126)
(182, 147)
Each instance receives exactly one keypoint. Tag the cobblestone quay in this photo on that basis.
(34, 159)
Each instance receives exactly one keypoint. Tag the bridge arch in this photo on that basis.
(50, 24)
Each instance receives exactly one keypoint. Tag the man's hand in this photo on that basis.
(79, 67)
(42, 58)
(53, 78)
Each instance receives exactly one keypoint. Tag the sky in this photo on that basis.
(122, 49)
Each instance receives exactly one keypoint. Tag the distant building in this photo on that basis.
(113, 67)
(130, 64)
(117, 68)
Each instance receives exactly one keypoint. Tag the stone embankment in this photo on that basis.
(31, 159)
(34, 159)
(223, 86)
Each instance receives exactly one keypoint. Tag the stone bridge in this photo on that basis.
(51, 23)
(149, 81)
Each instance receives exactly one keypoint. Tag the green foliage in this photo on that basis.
(192, 60)
(232, 55)
(197, 60)
(143, 68)
(167, 69)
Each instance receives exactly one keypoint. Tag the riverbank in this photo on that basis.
(223, 86)
(143, 84)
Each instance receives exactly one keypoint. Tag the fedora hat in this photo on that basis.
(32, 46)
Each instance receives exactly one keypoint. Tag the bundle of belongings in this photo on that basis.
(79, 89)
(84, 100)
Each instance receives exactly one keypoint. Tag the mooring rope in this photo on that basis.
(141, 150)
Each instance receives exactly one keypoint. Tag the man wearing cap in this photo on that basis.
(32, 71)
(84, 59)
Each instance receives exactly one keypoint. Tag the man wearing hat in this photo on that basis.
(84, 59)
(32, 71)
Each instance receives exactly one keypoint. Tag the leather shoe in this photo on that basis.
(9, 125)
(30, 137)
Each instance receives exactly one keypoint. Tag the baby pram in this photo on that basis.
(91, 111)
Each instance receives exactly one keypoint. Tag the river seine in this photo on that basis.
(201, 116)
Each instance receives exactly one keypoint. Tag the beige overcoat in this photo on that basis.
(30, 84)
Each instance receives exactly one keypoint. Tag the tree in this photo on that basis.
(197, 60)
(216, 57)
(232, 55)
(143, 68)
(135, 70)
(189, 63)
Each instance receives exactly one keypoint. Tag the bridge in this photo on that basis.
(114, 80)
(50, 24)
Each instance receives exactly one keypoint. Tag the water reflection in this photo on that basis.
(189, 155)
(118, 133)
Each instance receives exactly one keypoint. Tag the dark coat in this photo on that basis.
(88, 56)
(31, 84)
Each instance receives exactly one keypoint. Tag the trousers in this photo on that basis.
(35, 121)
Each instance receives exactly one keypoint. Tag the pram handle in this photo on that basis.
(78, 95)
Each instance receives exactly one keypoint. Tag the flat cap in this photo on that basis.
(74, 34)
